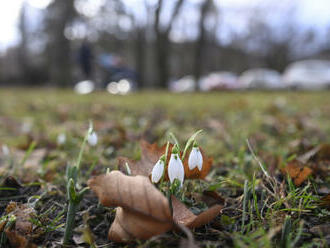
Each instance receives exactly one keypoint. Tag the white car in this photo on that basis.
(184, 84)
(261, 78)
(219, 80)
(308, 74)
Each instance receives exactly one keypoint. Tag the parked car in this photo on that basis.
(184, 84)
(308, 74)
(261, 78)
(218, 81)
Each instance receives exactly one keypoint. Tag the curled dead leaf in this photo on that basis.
(321, 230)
(18, 235)
(210, 198)
(182, 215)
(18, 241)
(150, 153)
(28, 163)
(143, 211)
(297, 171)
(325, 201)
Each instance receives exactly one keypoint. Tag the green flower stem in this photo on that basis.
(74, 200)
(90, 130)
(190, 143)
(70, 220)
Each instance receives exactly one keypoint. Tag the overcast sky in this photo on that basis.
(310, 13)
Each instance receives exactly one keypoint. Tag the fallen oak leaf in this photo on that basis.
(19, 234)
(143, 211)
(18, 241)
(150, 153)
(298, 172)
(182, 215)
(321, 230)
(23, 213)
(318, 159)
(322, 153)
(325, 201)
(210, 198)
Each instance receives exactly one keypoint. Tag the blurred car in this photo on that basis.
(118, 78)
(122, 87)
(261, 78)
(308, 74)
(218, 81)
(184, 84)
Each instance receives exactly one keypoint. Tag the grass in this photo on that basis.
(263, 208)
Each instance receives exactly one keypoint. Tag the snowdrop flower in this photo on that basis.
(92, 139)
(175, 167)
(195, 158)
(61, 138)
(5, 150)
(158, 170)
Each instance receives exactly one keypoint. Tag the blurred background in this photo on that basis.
(180, 45)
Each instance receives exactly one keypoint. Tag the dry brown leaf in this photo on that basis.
(150, 153)
(182, 215)
(318, 159)
(323, 153)
(321, 230)
(18, 241)
(325, 201)
(209, 197)
(143, 210)
(297, 172)
(18, 235)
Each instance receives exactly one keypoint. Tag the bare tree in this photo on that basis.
(22, 50)
(162, 47)
(60, 14)
(206, 6)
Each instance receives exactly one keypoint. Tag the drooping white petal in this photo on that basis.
(175, 168)
(61, 139)
(92, 139)
(157, 171)
(195, 159)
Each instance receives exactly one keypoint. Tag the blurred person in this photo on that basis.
(85, 57)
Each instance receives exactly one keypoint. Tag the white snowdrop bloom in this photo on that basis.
(92, 139)
(5, 150)
(195, 159)
(157, 171)
(61, 139)
(175, 168)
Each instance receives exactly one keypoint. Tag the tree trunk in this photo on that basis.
(163, 46)
(61, 13)
(140, 57)
(200, 43)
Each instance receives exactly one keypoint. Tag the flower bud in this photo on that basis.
(175, 167)
(92, 139)
(157, 171)
(195, 159)
(61, 139)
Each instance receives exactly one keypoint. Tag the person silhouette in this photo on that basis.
(85, 57)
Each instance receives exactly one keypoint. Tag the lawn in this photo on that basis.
(253, 138)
